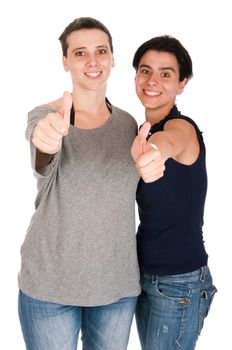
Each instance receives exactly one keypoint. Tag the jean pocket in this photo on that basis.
(206, 300)
(177, 292)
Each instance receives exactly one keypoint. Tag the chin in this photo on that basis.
(148, 102)
(149, 105)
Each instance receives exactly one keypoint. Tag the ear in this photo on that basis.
(113, 62)
(182, 85)
(135, 79)
(65, 64)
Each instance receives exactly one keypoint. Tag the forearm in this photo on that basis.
(42, 159)
(163, 142)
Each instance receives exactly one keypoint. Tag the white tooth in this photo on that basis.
(93, 75)
(152, 93)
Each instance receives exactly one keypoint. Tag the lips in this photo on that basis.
(93, 74)
(151, 93)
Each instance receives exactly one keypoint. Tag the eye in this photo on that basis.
(144, 71)
(165, 75)
(102, 51)
(79, 53)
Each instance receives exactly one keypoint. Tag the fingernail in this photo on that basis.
(153, 145)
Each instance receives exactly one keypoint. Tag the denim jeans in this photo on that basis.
(50, 326)
(171, 309)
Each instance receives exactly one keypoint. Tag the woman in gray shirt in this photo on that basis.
(79, 264)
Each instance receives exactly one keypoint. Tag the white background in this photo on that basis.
(31, 73)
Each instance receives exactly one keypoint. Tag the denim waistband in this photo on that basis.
(199, 274)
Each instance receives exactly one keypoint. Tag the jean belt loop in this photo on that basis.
(203, 272)
(153, 279)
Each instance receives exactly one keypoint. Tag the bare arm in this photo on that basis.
(42, 159)
(178, 141)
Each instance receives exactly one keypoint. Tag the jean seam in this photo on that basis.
(181, 329)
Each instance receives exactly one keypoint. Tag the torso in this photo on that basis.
(171, 213)
(81, 240)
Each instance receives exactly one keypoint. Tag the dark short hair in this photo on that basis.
(167, 43)
(83, 23)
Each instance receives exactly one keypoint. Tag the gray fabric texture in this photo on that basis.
(80, 247)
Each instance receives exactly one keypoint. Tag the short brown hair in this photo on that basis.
(83, 23)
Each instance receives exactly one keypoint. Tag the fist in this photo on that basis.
(148, 159)
(150, 164)
(49, 132)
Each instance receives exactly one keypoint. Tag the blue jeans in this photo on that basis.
(171, 309)
(50, 326)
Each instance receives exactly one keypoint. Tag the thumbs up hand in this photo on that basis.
(148, 159)
(140, 141)
(49, 132)
(66, 106)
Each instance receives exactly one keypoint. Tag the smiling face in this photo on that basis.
(157, 82)
(89, 58)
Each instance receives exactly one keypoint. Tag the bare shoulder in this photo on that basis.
(184, 134)
(179, 123)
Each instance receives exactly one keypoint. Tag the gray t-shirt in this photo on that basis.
(80, 247)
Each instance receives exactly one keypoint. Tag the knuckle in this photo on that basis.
(34, 141)
(41, 122)
(51, 115)
(65, 131)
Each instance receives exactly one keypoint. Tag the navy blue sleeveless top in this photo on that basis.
(169, 237)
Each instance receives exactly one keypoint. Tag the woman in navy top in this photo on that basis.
(177, 287)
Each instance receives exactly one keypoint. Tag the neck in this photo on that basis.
(90, 109)
(88, 102)
(155, 115)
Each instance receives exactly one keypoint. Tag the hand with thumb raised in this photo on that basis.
(49, 132)
(65, 110)
(139, 144)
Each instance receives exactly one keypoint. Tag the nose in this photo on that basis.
(92, 60)
(152, 80)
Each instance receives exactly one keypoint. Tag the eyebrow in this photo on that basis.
(168, 68)
(84, 47)
(161, 68)
(144, 66)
